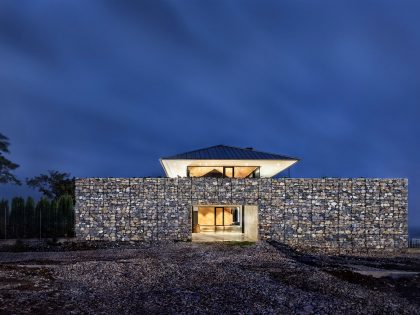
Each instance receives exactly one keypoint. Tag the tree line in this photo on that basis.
(47, 218)
(51, 216)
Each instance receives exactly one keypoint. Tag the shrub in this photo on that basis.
(30, 218)
(65, 213)
(17, 215)
(4, 217)
(42, 209)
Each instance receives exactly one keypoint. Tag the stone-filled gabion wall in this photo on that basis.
(338, 215)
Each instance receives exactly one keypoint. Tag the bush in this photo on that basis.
(4, 217)
(17, 217)
(65, 211)
(30, 218)
(45, 219)
(42, 209)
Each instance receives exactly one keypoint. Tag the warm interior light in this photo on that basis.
(206, 215)
(221, 216)
(243, 172)
(267, 168)
(204, 171)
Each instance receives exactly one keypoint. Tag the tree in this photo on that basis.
(65, 213)
(30, 218)
(53, 219)
(16, 216)
(4, 217)
(53, 185)
(6, 166)
(41, 217)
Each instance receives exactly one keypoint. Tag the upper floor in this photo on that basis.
(226, 161)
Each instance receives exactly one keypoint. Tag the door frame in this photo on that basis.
(240, 208)
(215, 216)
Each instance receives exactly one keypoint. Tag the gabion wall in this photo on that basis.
(337, 215)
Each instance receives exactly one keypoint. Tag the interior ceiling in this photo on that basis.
(268, 168)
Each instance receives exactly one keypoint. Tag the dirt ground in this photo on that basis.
(190, 278)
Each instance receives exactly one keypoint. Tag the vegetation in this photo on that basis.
(4, 211)
(17, 216)
(52, 216)
(42, 211)
(65, 211)
(30, 216)
(46, 219)
(53, 185)
(6, 166)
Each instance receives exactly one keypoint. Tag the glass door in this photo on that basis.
(219, 216)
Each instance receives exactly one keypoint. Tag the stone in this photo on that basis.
(337, 215)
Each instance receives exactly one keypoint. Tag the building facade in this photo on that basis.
(333, 215)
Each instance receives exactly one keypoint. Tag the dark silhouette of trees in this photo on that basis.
(53, 185)
(52, 216)
(30, 218)
(45, 219)
(4, 217)
(65, 212)
(17, 214)
(54, 219)
(6, 166)
(41, 214)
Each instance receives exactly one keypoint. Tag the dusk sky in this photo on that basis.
(105, 88)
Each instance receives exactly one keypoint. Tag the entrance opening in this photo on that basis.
(212, 223)
(213, 219)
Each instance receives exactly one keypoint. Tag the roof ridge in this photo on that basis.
(213, 146)
(253, 149)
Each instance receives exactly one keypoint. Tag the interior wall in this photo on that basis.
(213, 215)
(206, 215)
(228, 216)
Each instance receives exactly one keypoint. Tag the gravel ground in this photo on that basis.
(190, 278)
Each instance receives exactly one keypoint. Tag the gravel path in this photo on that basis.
(189, 278)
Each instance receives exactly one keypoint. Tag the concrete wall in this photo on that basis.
(336, 215)
(251, 222)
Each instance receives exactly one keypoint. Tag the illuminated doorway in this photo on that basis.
(213, 223)
(218, 218)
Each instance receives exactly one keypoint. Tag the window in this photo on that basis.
(228, 172)
(205, 171)
(220, 216)
(224, 171)
(245, 171)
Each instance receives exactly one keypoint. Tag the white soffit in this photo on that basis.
(268, 168)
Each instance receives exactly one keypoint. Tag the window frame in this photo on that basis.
(255, 173)
(239, 210)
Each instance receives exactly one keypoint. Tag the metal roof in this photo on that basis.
(224, 152)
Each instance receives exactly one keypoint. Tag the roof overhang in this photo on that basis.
(268, 168)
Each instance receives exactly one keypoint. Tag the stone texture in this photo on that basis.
(331, 214)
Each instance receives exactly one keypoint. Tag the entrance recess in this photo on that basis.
(218, 218)
(224, 223)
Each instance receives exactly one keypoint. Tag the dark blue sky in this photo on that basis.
(104, 88)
